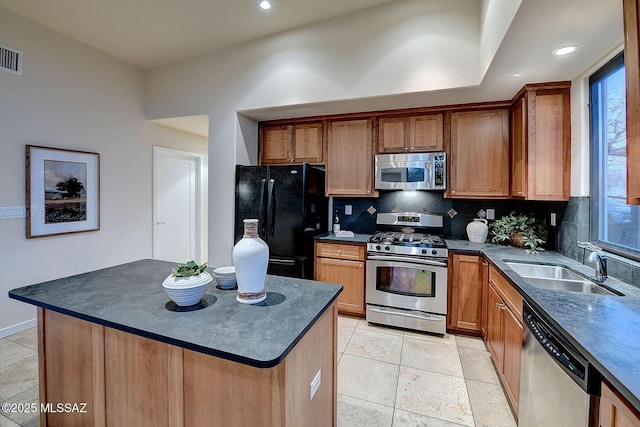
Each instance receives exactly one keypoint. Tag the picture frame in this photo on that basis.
(62, 191)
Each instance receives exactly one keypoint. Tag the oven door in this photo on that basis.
(414, 284)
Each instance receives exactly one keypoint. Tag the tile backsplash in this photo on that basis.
(572, 221)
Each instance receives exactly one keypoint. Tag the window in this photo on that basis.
(614, 224)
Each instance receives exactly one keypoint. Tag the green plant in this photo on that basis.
(507, 228)
(189, 269)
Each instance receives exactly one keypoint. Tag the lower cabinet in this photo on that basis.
(504, 333)
(468, 276)
(343, 264)
(615, 411)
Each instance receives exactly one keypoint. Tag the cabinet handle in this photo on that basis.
(484, 264)
(519, 192)
(501, 306)
(453, 191)
(406, 149)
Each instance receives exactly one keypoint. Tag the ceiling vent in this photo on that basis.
(10, 60)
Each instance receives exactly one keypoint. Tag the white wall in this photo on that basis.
(351, 57)
(72, 96)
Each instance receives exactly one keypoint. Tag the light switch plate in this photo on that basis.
(553, 219)
(348, 209)
(11, 212)
(491, 214)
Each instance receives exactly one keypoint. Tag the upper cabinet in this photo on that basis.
(632, 66)
(479, 154)
(291, 143)
(541, 142)
(349, 158)
(410, 134)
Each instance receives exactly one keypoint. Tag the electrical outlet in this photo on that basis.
(491, 214)
(348, 209)
(553, 219)
(315, 384)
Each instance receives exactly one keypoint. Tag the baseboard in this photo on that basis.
(19, 327)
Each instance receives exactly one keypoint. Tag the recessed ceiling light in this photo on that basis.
(265, 4)
(565, 50)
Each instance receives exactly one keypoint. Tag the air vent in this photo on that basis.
(10, 60)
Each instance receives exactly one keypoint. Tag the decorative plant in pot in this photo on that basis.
(519, 230)
(187, 283)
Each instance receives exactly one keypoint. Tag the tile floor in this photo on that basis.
(386, 377)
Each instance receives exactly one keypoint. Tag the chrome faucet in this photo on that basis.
(599, 257)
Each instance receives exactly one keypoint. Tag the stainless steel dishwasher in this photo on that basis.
(554, 382)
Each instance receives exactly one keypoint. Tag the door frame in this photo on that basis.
(200, 196)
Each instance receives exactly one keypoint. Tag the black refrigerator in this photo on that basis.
(290, 203)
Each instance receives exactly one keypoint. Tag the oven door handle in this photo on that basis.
(404, 259)
(417, 316)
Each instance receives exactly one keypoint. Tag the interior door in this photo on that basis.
(177, 205)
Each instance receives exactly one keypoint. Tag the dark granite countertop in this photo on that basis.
(606, 329)
(130, 298)
(357, 238)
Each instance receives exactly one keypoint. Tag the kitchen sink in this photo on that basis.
(557, 277)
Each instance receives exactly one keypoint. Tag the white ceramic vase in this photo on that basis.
(250, 258)
(478, 230)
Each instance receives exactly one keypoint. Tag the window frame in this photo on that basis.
(597, 158)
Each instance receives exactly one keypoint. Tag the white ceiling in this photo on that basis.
(150, 34)
(153, 33)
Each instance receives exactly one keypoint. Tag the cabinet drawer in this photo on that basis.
(507, 292)
(340, 251)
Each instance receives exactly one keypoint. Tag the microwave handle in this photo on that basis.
(428, 166)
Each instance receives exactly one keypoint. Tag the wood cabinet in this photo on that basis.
(343, 264)
(631, 9)
(411, 134)
(468, 275)
(295, 143)
(615, 411)
(504, 332)
(541, 142)
(349, 158)
(479, 154)
(121, 379)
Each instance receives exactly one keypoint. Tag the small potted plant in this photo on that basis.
(187, 283)
(519, 230)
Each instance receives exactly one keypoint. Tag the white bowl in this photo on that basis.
(186, 291)
(227, 271)
(226, 282)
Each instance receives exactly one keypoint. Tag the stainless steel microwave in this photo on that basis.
(412, 171)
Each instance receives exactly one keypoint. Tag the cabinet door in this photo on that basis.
(275, 144)
(548, 145)
(307, 143)
(615, 411)
(480, 154)
(349, 158)
(511, 362)
(466, 295)
(631, 9)
(495, 327)
(426, 133)
(518, 152)
(350, 274)
(393, 135)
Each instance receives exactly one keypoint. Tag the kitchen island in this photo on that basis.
(110, 349)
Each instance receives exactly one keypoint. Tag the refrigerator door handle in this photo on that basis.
(261, 212)
(271, 209)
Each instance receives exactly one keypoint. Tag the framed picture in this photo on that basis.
(63, 191)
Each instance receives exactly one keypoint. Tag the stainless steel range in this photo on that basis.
(406, 282)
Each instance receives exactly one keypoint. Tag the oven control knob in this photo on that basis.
(434, 252)
(386, 248)
(378, 247)
(424, 251)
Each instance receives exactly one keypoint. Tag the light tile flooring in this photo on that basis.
(386, 377)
